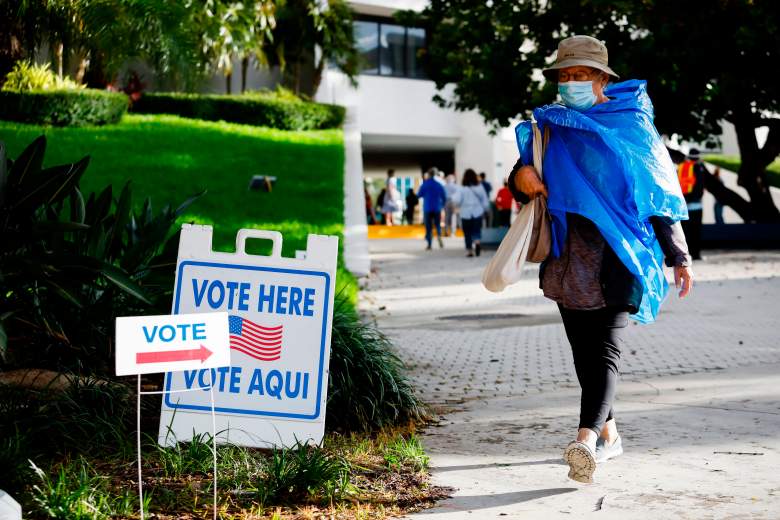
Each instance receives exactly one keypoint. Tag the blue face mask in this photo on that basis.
(577, 94)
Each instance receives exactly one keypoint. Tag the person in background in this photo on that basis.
(411, 205)
(691, 175)
(485, 184)
(504, 201)
(438, 176)
(369, 206)
(450, 209)
(717, 208)
(488, 190)
(380, 203)
(434, 197)
(392, 200)
(473, 203)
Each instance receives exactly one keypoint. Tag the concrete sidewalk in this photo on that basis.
(698, 405)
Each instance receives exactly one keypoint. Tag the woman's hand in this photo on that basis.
(683, 280)
(527, 180)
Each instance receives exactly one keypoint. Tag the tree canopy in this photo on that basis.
(304, 25)
(704, 62)
(182, 41)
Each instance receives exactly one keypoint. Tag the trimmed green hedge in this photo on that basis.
(63, 107)
(246, 109)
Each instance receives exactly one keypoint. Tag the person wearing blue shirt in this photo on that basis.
(488, 215)
(434, 197)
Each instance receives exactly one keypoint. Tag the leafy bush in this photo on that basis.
(86, 416)
(68, 266)
(406, 452)
(368, 388)
(26, 76)
(239, 468)
(63, 107)
(15, 452)
(259, 109)
(186, 458)
(303, 472)
(78, 492)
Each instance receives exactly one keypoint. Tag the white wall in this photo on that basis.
(356, 256)
(391, 106)
(475, 148)
(401, 112)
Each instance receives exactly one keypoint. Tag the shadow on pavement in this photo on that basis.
(473, 502)
(468, 467)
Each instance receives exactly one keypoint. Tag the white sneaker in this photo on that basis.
(581, 460)
(604, 452)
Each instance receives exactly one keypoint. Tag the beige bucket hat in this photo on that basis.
(580, 50)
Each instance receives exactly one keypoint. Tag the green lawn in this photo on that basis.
(732, 162)
(169, 158)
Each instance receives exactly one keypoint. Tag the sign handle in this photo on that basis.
(273, 236)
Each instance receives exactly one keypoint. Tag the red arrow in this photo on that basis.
(165, 356)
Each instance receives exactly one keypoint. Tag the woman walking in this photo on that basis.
(391, 203)
(615, 205)
(473, 202)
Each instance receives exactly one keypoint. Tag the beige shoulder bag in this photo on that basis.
(529, 236)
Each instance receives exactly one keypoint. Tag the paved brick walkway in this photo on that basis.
(502, 362)
(462, 342)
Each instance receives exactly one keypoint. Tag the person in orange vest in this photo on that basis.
(691, 175)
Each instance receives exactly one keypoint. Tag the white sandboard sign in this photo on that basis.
(280, 312)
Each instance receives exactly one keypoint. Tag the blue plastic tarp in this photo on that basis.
(609, 164)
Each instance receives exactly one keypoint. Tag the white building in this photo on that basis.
(400, 125)
(393, 122)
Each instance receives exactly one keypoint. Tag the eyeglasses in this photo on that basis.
(580, 75)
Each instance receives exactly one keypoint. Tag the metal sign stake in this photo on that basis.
(210, 388)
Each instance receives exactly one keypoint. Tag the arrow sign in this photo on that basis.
(145, 344)
(166, 356)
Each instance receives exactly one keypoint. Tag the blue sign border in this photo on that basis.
(325, 275)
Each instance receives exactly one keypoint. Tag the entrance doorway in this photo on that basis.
(408, 167)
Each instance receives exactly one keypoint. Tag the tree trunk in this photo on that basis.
(754, 160)
(58, 52)
(244, 69)
(317, 78)
(229, 83)
(297, 78)
(728, 197)
(83, 64)
(752, 177)
(95, 75)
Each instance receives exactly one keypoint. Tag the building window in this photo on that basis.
(388, 49)
(367, 42)
(415, 41)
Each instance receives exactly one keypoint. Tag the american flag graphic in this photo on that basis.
(263, 343)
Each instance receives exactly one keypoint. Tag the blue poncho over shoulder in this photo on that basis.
(609, 164)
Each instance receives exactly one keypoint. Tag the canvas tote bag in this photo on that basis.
(529, 236)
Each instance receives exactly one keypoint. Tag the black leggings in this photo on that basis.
(595, 337)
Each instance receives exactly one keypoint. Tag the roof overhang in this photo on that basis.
(386, 8)
(407, 143)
